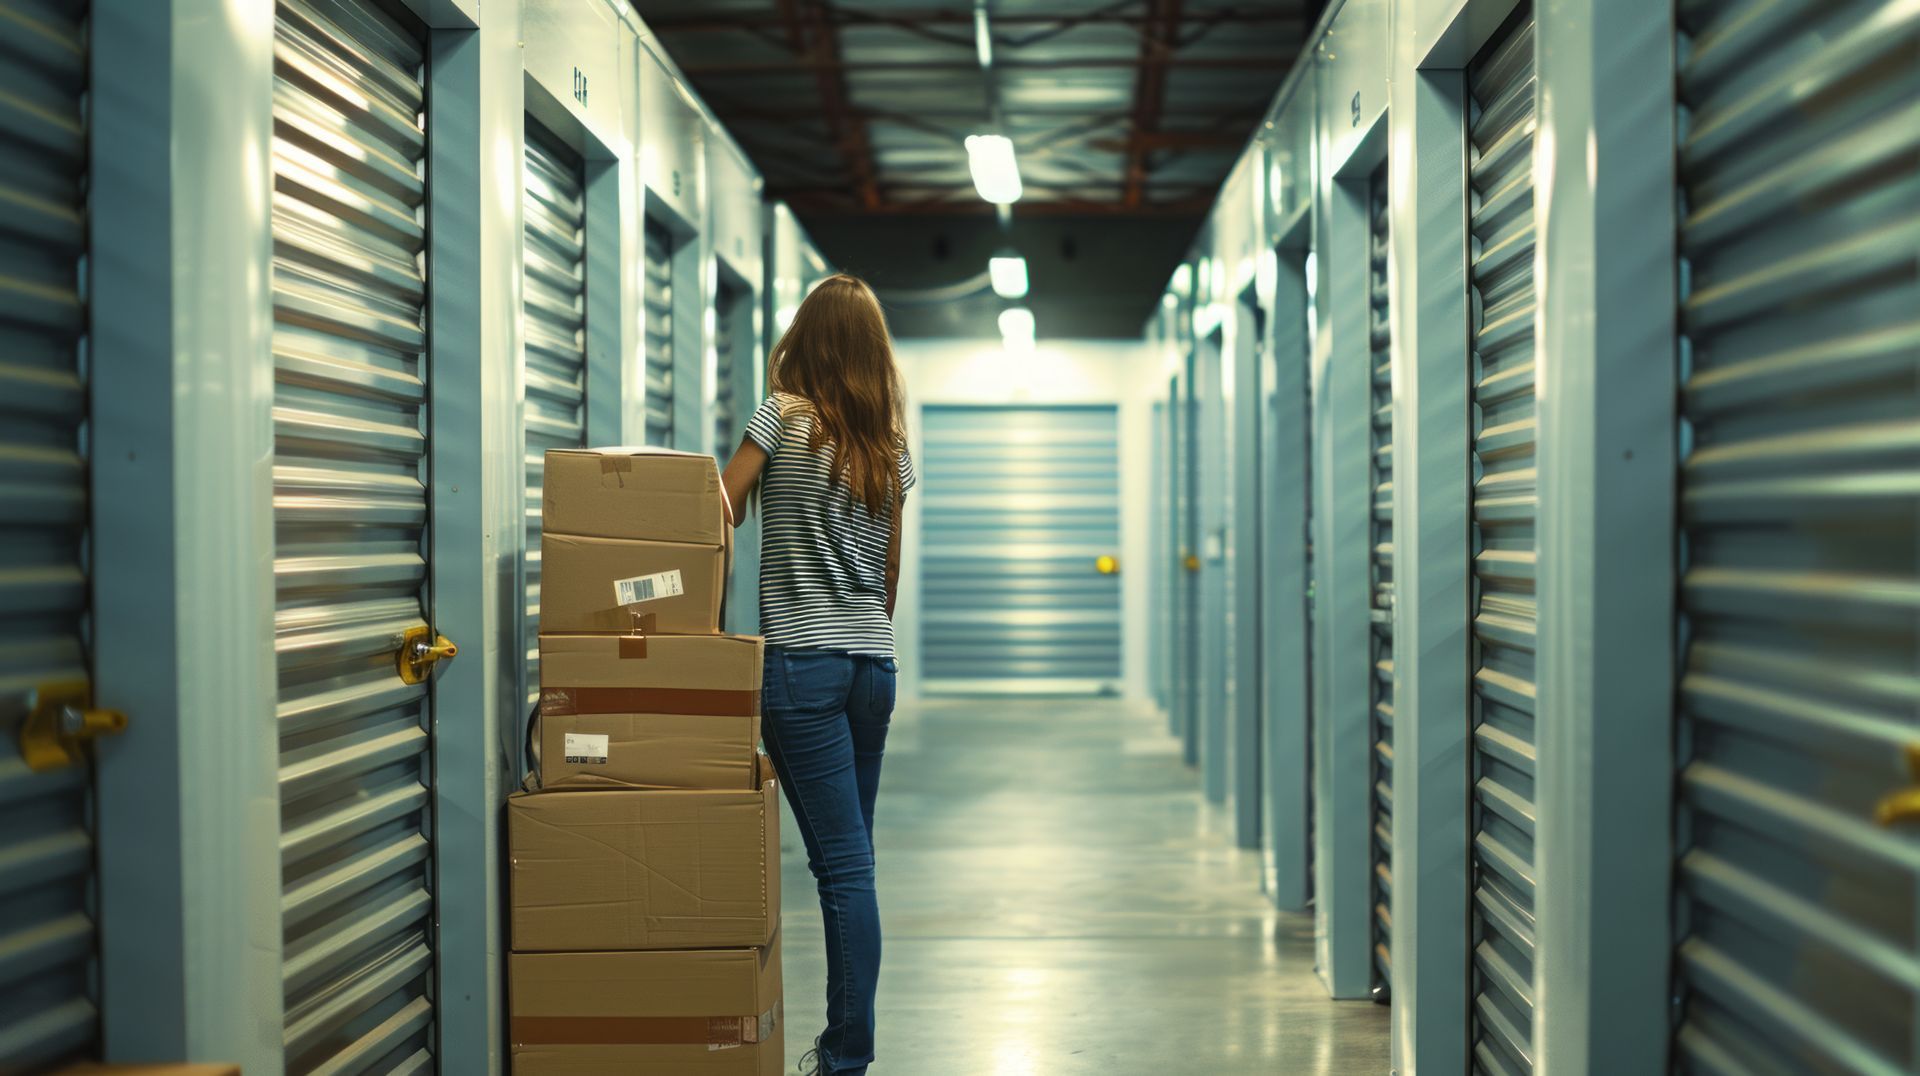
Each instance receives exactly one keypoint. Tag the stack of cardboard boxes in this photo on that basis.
(645, 872)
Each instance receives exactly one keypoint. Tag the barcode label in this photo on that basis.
(646, 588)
(585, 749)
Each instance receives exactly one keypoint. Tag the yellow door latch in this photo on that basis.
(1190, 562)
(420, 651)
(1904, 805)
(61, 720)
(1106, 564)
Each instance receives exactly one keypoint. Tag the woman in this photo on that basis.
(828, 452)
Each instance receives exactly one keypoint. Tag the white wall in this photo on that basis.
(1123, 373)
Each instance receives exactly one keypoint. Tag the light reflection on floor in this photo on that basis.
(1058, 899)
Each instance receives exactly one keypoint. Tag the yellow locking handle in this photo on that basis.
(420, 650)
(1190, 562)
(1106, 564)
(61, 720)
(1904, 805)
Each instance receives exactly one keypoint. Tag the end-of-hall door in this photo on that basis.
(1020, 584)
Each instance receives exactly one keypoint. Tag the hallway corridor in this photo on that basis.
(1058, 899)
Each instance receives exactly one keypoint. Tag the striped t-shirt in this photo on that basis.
(823, 559)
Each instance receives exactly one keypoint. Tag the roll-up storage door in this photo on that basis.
(1186, 579)
(726, 422)
(47, 1001)
(1021, 502)
(351, 514)
(1799, 701)
(1505, 502)
(1380, 343)
(658, 289)
(555, 298)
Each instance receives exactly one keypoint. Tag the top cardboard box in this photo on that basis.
(643, 494)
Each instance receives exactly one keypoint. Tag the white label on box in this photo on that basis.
(646, 588)
(585, 749)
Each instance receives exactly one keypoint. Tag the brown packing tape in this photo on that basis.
(633, 648)
(645, 1030)
(618, 466)
(643, 624)
(690, 701)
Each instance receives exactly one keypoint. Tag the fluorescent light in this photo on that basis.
(1016, 329)
(982, 37)
(1008, 271)
(996, 175)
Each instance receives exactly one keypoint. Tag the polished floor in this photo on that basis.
(1058, 899)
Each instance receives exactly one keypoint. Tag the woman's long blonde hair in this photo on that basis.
(838, 357)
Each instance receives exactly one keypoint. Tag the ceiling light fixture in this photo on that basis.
(1016, 329)
(996, 175)
(1008, 272)
(982, 35)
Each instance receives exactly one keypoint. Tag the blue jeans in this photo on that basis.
(825, 726)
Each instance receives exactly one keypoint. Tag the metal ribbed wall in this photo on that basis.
(658, 288)
(47, 1007)
(1187, 559)
(730, 304)
(555, 300)
(1381, 347)
(1019, 504)
(1505, 503)
(1800, 585)
(351, 513)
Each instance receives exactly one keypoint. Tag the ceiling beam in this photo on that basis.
(1150, 60)
(810, 32)
(1235, 15)
(1149, 92)
(969, 205)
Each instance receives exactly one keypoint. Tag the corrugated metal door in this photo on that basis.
(1186, 582)
(1020, 504)
(351, 513)
(658, 288)
(554, 212)
(731, 303)
(1800, 586)
(1381, 345)
(47, 946)
(1501, 83)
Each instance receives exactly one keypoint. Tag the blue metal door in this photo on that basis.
(1020, 505)
(47, 939)
(657, 289)
(1381, 345)
(351, 514)
(1505, 503)
(1797, 907)
(554, 298)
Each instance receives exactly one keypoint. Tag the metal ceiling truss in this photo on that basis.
(1041, 90)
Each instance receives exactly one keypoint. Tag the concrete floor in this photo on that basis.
(1058, 899)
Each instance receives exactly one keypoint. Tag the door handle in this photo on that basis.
(1904, 805)
(420, 650)
(1190, 562)
(1106, 564)
(61, 720)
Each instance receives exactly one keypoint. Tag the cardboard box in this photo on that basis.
(620, 870)
(641, 494)
(660, 711)
(671, 587)
(699, 1011)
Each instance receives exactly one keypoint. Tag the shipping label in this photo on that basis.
(646, 588)
(585, 749)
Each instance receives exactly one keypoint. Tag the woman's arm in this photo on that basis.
(741, 475)
(893, 554)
